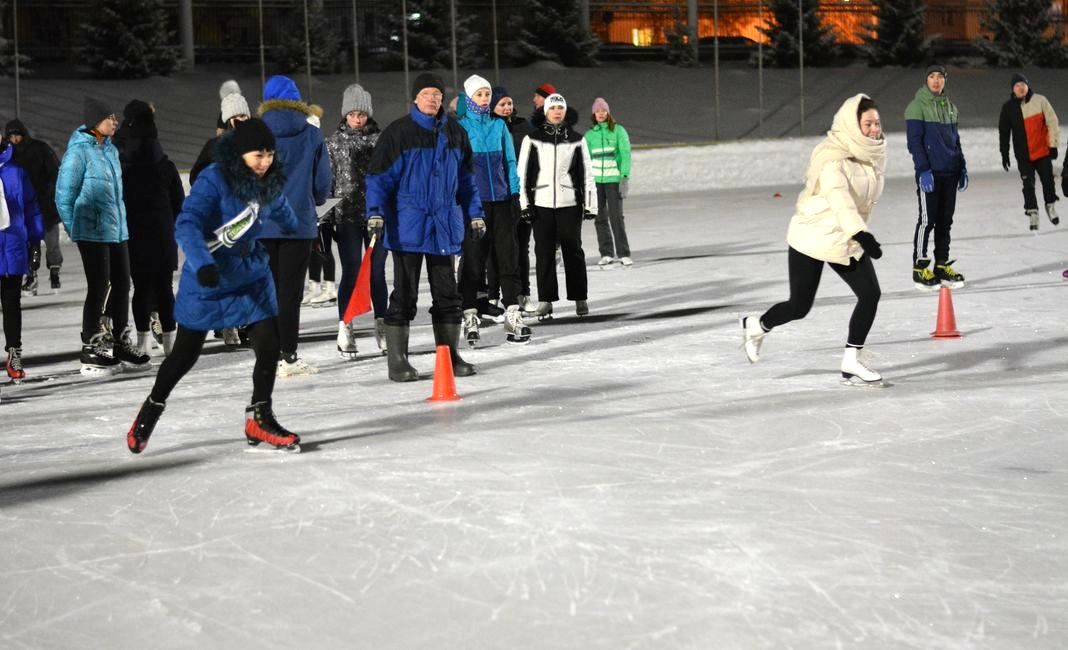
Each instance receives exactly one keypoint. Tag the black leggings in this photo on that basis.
(153, 289)
(805, 274)
(11, 299)
(186, 350)
(289, 265)
(321, 263)
(106, 265)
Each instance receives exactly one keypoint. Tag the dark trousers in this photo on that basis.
(289, 265)
(352, 238)
(497, 249)
(563, 227)
(446, 307)
(1043, 167)
(106, 266)
(11, 301)
(321, 263)
(609, 222)
(936, 213)
(523, 232)
(188, 343)
(153, 288)
(805, 275)
(53, 255)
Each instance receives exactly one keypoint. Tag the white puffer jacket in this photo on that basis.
(555, 168)
(843, 183)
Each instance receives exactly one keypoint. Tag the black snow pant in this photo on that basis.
(805, 275)
(289, 265)
(1043, 167)
(936, 213)
(153, 288)
(106, 265)
(444, 294)
(263, 336)
(11, 301)
(321, 263)
(609, 222)
(563, 227)
(53, 255)
(496, 249)
(523, 232)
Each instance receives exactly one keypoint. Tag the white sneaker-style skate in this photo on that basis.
(605, 260)
(754, 335)
(528, 304)
(346, 341)
(517, 331)
(380, 335)
(294, 367)
(626, 261)
(327, 295)
(311, 290)
(544, 311)
(231, 338)
(471, 334)
(1051, 212)
(856, 373)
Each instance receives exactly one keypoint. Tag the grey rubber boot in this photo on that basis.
(397, 354)
(449, 334)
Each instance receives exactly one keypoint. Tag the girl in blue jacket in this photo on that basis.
(226, 280)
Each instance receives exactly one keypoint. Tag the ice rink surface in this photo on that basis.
(627, 480)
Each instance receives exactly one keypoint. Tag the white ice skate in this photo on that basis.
(327, 296)
(517, 331)
(856, 373)
(1051, 212)
(626, 261)
(471, 327)
(311, 290)
(527, 304)
(231, 338)
(346, 341)
(295, 367)
(380, 334)
(606, 260)
(754, 337)
(544, 311)
(1032, 218)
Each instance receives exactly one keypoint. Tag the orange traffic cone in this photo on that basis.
(946, 327)
(444, 381)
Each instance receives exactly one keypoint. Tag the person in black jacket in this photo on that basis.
(504, 108)
(1030, 122)
(233, 109)
(153, 197)
(40, 162)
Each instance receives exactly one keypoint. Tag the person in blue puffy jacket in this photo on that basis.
(226, 279)
(21, 224)
(421, 196)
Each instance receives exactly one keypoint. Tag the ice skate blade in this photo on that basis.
(100, 371)
(515, 340)
(473, 342)
(136, 367)
(927, 288)
(949, 284)
(347, 356)
(854, 381)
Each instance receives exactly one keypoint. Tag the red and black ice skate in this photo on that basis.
(260, 426)
(147, 417)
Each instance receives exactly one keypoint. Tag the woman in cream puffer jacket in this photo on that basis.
(830, 226)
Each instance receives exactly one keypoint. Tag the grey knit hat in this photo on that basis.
(356, 98)
(233, 104)
(229, 87)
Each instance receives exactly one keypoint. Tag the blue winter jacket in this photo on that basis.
(246, 292)
(421, 182)
(494, 154)
(89, 190)
(26, 223)
(302, 151)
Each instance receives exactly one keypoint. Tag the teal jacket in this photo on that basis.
(89, 190)
(610, 151)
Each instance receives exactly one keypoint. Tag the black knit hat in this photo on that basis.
(14, 127)
(427, 80)
(498, 93)
(935, 67)
(140, 119)
(253, 135)
(1017, 78)
(94, 112)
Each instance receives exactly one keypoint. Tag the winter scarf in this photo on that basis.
(473, 107)
(845, 141)
(241, 180)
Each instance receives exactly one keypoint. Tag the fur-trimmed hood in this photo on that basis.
(289, 105)
(241, 180)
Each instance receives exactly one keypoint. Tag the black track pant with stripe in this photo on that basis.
(936, 214)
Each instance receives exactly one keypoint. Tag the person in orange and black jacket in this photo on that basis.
(1032, 124)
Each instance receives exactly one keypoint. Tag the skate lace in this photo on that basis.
(925, 274)
(515, 320)
(866, 357)
(947, 269)
(14, 359)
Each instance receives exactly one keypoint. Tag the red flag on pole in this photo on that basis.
(360, 300)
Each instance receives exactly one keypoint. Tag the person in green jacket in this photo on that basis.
(609, 147)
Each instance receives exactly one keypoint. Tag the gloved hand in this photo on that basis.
(527, 214)
(962, 182)
(478, 228)
(624, 187)
(516, 210)
(208, 276)
(375, 226)
(1005, 163)
(927, 182)
(587, 215)
(868, 243)
(1053, 153)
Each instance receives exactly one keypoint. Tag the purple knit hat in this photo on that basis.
(600, 104)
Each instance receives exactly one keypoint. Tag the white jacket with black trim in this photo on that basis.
(555, 168)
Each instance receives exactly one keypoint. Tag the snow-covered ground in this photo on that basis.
(627, 480)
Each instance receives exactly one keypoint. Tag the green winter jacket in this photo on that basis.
(610, 151)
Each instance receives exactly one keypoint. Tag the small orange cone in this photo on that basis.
(946, 327)
(444, 381)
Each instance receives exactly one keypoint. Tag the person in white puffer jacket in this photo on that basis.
(830, 225)
(556, 191)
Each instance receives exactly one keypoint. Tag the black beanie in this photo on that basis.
(94, 112)
(253, 135)
(498, 93)
(935, 67)
(1017, 78)
(140, 118)
(427, 80)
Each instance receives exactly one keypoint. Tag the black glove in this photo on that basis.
(478, 228)
(868, 243)
(1053, 153)
(1005, 163)
(624, 187)
(587, 215)
(526, 214)
(516, 210)
(375, 226)
(208, 276)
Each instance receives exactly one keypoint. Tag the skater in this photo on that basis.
(421, 196)
(830, 226)
(350, 150)
(609, 147)
(232, 109)
(153, 199)
(498, 190)
(21, 225)
(934, 142)
(226, 88)
(1030, 121)
(558, 192)
(226, 279)
(518, 128)
(39, 161)
(302, 151)
(89, 199)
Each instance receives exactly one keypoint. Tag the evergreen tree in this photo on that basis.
(819, 39)
(430, 38)
(325, 43)
(1018, 37)
(7, 59)
(679, 49)
(127, 39)
(900, 34)
(551, 30)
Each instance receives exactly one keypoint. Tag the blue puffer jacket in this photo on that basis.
(302, 151)
(246, 292)
(421, 182)
(26, 223)
(494, 153)
(89, 190)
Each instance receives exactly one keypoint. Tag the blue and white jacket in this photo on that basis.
(494, 153)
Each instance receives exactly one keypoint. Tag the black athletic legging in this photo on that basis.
(11, 299)
(105, 265)
(805, 274)
(153, 289)
(186, 350)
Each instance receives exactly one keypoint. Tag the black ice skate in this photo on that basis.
(582, 308)
(143, 425)
(129, 355)
(53, 278)
(96, 357)
(947, 276)
(488, 311)
(517, 331)
(29, 287)
(924, 278)
(260, 426)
